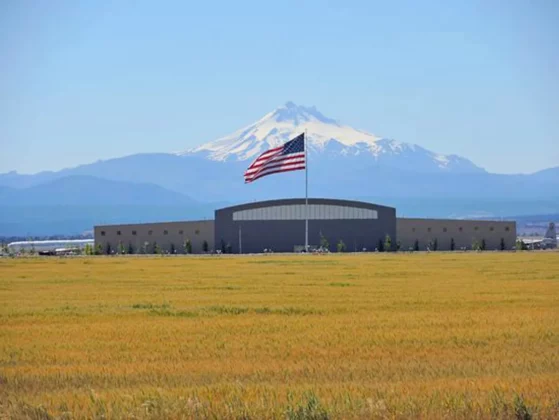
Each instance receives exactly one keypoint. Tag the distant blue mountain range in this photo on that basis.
(343, 163)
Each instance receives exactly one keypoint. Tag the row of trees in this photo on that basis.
(477, 245)
(386, 245)
(146, 248)
(23, 251)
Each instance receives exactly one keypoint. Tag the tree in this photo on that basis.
(380, 246)
(435, 244)
(205, 246)
(482, 245)
(121, 248)
(98, 249)
(520, 245)
(145, 248)
(228, 248)
(172, 249)
(222, 247)
(156, 248)
(341, 246)
(187, 246)
(416, 245)
(130, 248)
(398, 245)
(503, 247)
(476, 245)
(324, 244)
(452, 244)
(387, 243)
(108, 249)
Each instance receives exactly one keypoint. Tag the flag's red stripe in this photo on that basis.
(276, 165)
(279, 160)
(267, 170)
(297, 168)
(259, 161)
(275, 161)
(276, 156)
(269, 152)
(273, 165)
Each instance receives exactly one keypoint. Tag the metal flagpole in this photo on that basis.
(305, 143)
(240, 240)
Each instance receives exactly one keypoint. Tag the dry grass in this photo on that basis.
(373, 336)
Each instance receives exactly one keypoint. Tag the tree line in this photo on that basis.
(146, 248)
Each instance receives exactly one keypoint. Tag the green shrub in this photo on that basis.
(341, 246)
(521, 411)
(388, 243)
(187, 246)
(324, 242)
(310, 409)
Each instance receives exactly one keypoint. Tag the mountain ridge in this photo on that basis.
(352, 165)
(90, 190)
(324, 136)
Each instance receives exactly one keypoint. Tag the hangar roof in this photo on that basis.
(288, 201)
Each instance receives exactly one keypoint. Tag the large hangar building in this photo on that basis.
(279, 226)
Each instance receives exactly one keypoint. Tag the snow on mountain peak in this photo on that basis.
(324, 135)
(299, 114)
(279, 126)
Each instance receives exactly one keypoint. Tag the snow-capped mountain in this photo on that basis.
(343, 163)
(326, 137)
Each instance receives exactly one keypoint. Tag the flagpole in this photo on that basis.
(306, 195)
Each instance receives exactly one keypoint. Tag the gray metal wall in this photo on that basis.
(463, 232)
(279, 225)
(166, 235)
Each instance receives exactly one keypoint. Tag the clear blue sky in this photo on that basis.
(89, 80)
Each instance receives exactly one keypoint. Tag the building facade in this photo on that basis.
(143, 238)
(445, 234)
(279, 225)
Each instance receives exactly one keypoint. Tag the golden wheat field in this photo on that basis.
(453, 335)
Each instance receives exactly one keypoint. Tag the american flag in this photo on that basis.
(289, 157)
